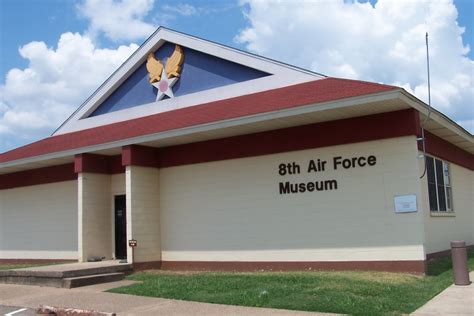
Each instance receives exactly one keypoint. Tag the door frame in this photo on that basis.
(112, 219)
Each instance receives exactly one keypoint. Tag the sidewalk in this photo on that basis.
(455, 300)
(93, 298)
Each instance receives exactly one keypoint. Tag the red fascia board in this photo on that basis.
(94, 163)
(346, 131)
(115, 164)
(38, 176)
(136, 155)
(438, 147)
(317, 91)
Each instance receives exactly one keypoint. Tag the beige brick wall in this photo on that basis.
(440, 230)
(39, 222)
(143, 214)
(232, 210)
(117, 185)
(94, 212)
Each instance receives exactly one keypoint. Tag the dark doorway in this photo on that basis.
(120, 227)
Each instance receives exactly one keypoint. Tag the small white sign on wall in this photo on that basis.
(405, 203)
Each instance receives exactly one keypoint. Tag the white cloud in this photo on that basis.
(169, 13)
(181, 9)
(384, 43)
(35, 100)
(118, 20)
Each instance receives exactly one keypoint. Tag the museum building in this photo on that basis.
(214, 158)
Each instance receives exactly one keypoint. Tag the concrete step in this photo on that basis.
(92, 279)
(31, 280)
(65, 271)
(66, 275)
(124, 268)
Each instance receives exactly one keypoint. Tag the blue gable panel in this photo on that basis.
(200, 72)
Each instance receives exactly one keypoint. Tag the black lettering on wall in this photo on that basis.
(318, 165)
(324, 185)
(336, 161)
(285, 187)
(330, 185)
(282, 169)
(371, 160)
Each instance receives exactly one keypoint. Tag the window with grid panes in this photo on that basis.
(439, 185)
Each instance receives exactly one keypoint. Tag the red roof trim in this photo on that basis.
(98, 163)
(346, 131)
(317, 91)
(38, 176)
(136, 155)
(440, 148)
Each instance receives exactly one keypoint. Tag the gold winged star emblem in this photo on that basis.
(162, 77)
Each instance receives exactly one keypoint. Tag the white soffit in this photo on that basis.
(281, 75)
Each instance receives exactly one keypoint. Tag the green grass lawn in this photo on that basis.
(23, 265)
(362, 293)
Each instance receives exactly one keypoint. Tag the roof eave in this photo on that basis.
(435, 115)
(218, 125)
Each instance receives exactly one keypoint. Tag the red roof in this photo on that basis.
(317, 91)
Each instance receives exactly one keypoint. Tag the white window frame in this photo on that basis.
(447, 187)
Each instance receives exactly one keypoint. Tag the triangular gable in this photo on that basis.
(209, 72)
(199, 72)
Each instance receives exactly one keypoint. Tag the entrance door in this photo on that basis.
(120, 227)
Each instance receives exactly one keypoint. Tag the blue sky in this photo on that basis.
(30, 108)
(48, 19)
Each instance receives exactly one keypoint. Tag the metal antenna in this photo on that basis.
(429, 106)
(429, 82)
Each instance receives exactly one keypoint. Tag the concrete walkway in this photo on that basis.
(455, 300)
(93, 298)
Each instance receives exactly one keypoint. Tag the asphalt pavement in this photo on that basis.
(16, 310)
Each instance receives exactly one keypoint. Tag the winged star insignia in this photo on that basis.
(162, 77)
